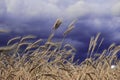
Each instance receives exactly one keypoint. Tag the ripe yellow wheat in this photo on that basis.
(51, 61)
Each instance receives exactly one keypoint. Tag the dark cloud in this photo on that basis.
(37, 18)
(79, 37)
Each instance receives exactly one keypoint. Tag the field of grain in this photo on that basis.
(54, 61)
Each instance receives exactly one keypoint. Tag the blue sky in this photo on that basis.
(38, 16)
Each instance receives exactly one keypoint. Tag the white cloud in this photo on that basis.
(53, 1)
(116, 9)
(78, 9)
(68, 9)
(2, 7)
(59, 8)
(31, 8)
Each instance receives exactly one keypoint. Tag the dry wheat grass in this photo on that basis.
(50, 61)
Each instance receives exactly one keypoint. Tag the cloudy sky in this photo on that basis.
(38, 16)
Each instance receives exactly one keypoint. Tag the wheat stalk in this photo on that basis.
(57, 24)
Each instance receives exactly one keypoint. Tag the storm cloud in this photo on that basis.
(38, 16)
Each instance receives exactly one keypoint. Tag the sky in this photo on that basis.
(22, 17)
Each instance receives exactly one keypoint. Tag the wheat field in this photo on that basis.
(54, 61)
